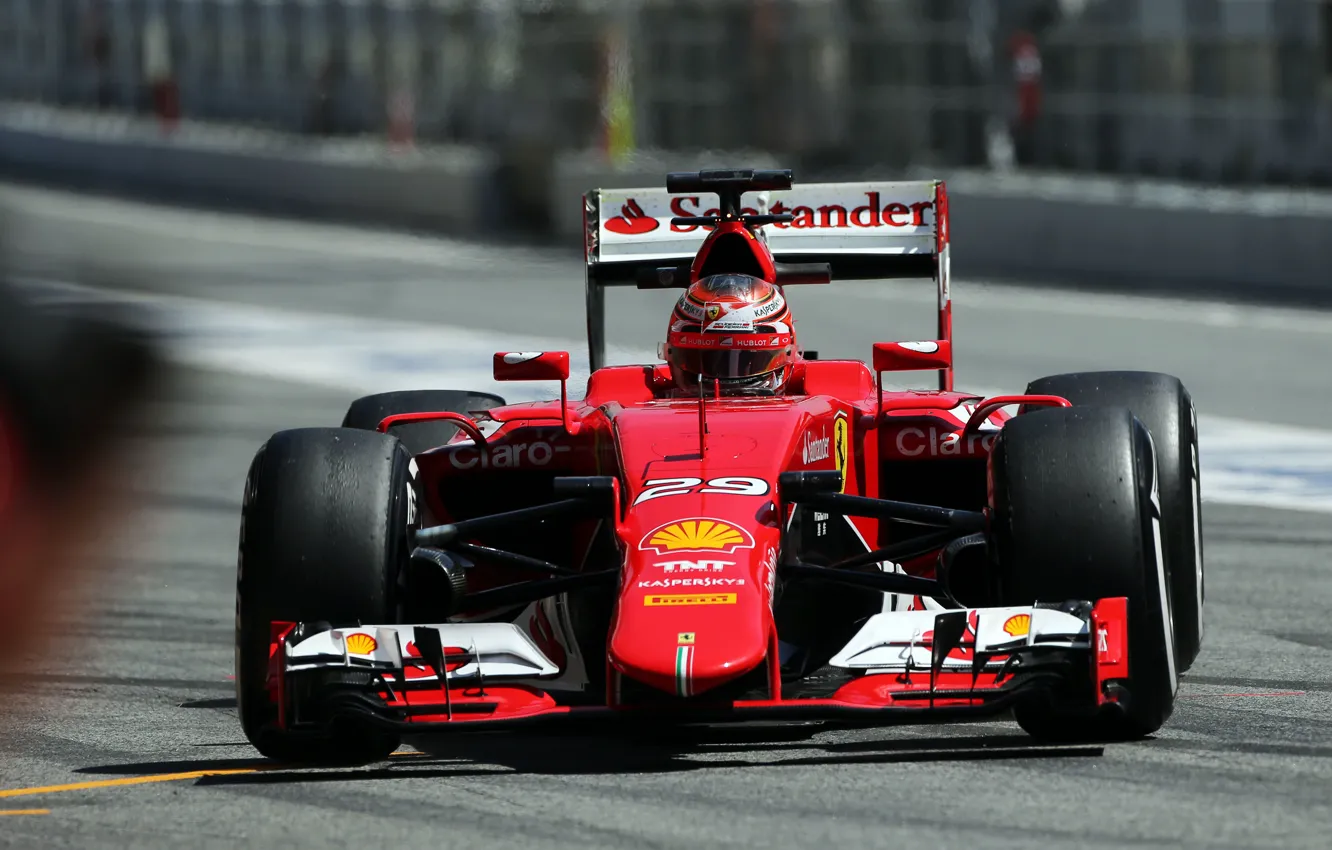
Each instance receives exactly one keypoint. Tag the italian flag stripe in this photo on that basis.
(684, 657)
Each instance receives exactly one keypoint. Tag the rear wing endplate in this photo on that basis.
(862, 231)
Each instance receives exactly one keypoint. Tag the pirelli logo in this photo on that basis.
(670, 600)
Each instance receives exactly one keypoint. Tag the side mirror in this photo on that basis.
(912, 356)
(539, 366)
(532, 366)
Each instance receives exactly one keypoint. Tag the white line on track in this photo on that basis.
(1147, 308)
(341, 352)
(1243, 462)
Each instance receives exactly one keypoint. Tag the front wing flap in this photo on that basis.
(471, 651)
(907, 640)
(912, 666)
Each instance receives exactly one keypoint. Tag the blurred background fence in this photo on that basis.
(1221, 91)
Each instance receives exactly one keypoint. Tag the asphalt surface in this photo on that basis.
(138, 683)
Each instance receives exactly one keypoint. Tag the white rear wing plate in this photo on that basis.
(877, 219)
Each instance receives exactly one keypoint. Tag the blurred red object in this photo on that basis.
(1027, 74)
(402, 120)
(166, 103)
(72, 383)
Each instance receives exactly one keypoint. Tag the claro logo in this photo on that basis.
(505, 457)
(873, 213)
(934, 442)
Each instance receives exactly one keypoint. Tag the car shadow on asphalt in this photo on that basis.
(461, 756)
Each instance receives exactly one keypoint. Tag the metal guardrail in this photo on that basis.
(1213, 90)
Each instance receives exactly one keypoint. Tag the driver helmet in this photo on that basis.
(734, 329)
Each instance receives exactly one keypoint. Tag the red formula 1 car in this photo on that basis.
(684, 543)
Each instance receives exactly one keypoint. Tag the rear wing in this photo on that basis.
(861, 231)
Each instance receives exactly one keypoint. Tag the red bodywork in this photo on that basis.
(699, 525)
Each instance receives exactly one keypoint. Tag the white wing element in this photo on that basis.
(830, 218)
(504, 652)
(894, 641)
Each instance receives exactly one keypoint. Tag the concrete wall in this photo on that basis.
(445, 189)
(1131, 235)
(1143, 235)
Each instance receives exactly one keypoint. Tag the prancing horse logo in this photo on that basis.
(841, 448)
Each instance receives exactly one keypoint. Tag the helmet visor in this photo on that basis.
(716, 355)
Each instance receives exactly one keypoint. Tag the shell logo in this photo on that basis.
(361, 644)
(1018, 625)
(697, 535)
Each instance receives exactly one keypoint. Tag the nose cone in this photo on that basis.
(689, 654)
(695, 610)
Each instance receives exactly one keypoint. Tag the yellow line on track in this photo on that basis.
(134, 780)
(4, 812)
(113, 783)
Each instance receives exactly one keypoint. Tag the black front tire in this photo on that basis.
(366, 414)
(324, 533)
(1162, 403)
(1075, 517)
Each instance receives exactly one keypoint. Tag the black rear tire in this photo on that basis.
(366, 414)
(1074, 517)
(324, 532)
(1162, 404)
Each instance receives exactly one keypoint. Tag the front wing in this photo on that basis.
(901, 667)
